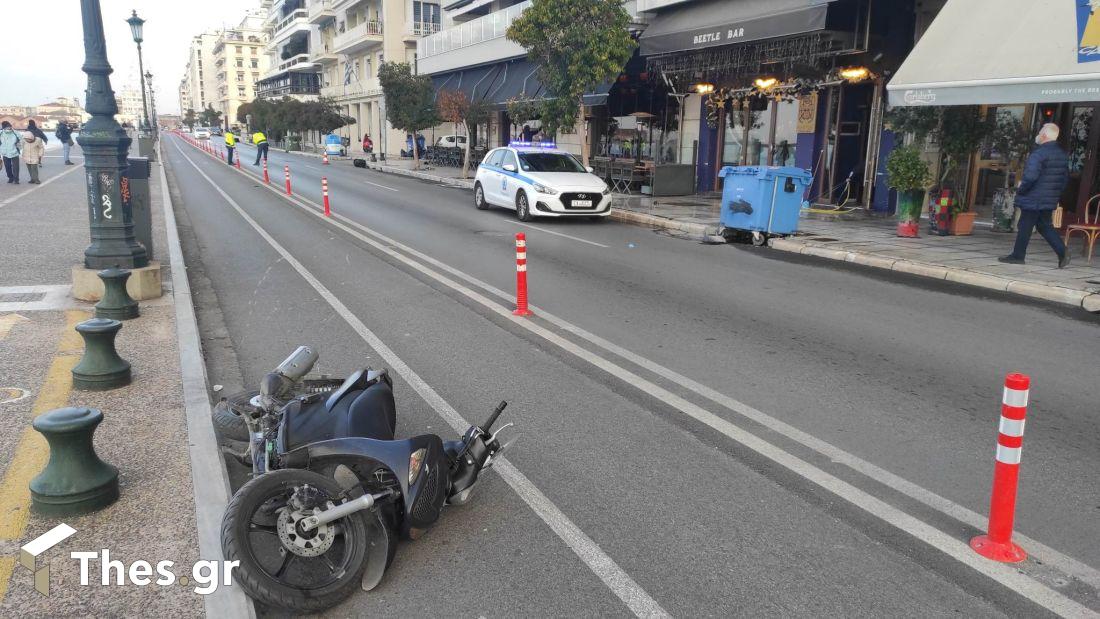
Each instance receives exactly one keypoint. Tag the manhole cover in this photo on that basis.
(12, 394)
(22, 297)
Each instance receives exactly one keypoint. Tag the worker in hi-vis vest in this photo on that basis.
(230, 146)
(261, 146)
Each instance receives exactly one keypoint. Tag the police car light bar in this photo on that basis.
(532, 144)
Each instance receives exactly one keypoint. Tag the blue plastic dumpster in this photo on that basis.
(762, 201)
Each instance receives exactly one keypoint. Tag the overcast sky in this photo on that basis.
(53, 28)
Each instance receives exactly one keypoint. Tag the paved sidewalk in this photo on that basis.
(872, 242)
(43, 232)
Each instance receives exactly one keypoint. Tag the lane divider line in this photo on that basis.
(40, 186)
(573, 238)
(603, 566)
(31, 452)
(958, 550)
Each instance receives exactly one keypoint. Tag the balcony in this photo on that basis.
(320, 11)
(423, 28)
(477, 41)
(282, 84)
(298, 62)
(354, 90)
(360, 36)
(295, 21)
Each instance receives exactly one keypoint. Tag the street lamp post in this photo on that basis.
(136, 24)
(105, 145)
(155, 126)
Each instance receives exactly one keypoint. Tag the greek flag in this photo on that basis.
(348, 70)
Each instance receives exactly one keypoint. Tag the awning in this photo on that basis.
(1002, 52)
(512, 79)
(711, 23)
(520, 79)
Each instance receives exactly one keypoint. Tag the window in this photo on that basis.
(549, 162)
(494, 157)
(508, 158)
(253, 51)
(240, 77)
(240, 63)
(425, 12)
(255, 63)
(239, 48)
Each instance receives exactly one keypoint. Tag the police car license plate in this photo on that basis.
(582, 203)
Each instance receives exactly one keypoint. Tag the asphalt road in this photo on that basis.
(645, 350)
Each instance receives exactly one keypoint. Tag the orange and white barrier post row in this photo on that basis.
(324, 158)
(521, 276)
(286, 173)
(997, 543)
(267, 180)
(324, 194)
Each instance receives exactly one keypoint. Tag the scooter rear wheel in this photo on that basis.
(282, 566)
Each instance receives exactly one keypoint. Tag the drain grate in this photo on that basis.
(22, 297)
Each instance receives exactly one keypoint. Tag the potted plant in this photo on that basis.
(1009, 140)
(962, 220)
(908, 174)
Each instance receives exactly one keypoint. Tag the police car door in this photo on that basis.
(508, 179)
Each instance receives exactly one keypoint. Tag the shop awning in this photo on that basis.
(711, 23)
(497, 83)
(1002, 52)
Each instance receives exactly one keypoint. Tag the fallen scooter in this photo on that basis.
(332, 489)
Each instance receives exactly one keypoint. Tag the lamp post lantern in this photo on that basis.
(105, 145)
(136, 24)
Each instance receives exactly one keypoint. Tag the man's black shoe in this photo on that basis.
(1063, 262)
(1010, 260)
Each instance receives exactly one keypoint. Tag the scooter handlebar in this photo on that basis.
(493, 417)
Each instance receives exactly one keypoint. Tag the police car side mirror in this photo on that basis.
(509, 167)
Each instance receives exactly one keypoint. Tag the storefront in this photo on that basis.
(785, 82)
(1039, 61)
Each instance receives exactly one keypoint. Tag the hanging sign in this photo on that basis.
(807, 113)
(1088, 30)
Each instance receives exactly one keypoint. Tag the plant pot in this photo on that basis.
(909, 229)
(962, 224)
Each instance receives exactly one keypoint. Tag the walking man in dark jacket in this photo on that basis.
(1045, 176)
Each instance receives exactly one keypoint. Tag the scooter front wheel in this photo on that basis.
(282, 565)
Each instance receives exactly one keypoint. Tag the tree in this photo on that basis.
(409, 100)
(577, 45)
(243, 110)
(210, 117)
(189, 119)
(455, 108)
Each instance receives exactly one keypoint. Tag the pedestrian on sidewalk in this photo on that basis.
(10, 146)
(33, 151)
(260, 141)
(65, 136)
(1045, 176)
(33, 128)
(230, 145)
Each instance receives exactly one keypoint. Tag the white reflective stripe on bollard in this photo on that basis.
(1011, 427)
(1015, 397)
(1009, 455)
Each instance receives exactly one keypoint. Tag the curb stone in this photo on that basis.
(1057, 294)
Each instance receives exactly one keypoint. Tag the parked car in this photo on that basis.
(452, 141)
(540, 181)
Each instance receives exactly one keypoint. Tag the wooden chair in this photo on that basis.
(1090, 228)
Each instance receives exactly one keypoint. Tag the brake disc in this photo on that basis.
(311, 543)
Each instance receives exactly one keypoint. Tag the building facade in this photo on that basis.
(239, 60)
(291, 72)
(353, 38)
(130, 108)
(198, 88)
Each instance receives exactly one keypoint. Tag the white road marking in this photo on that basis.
(603, 566)
(574, 238)
(49, 180)
(53, 297)
(959, 550)
(382, 186)
(306, 165)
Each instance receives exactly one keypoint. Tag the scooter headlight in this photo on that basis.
(416, 462)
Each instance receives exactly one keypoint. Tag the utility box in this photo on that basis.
(147, 148)
(137, 179)
(762, 200)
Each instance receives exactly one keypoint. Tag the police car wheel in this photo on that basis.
(523, 208)
(479, 198)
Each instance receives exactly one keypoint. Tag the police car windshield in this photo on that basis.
(549, 162)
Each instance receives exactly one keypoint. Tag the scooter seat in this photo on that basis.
(368, 413)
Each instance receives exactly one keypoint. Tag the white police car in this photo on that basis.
(539, 180)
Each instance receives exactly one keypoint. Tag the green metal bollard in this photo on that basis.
(75, 481)
(116, 302)
(100, 368)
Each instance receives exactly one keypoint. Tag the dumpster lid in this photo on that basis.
(786, 171)
(731, 170)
